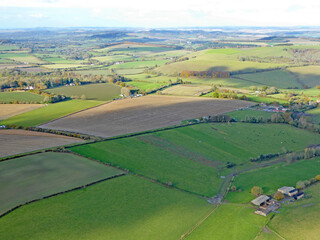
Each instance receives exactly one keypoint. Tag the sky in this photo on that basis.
(157, 14)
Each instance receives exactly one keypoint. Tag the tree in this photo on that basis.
(278, 196)
(302, 184)
(256, 191)
(83, 97)
(233, 188)
(318, 177)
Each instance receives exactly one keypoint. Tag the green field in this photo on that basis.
(62, 65)
(273, 177)
(139, 64)
(315, 115)
(98, 91)
(146, 85)
(278, 79)
(49, 112)
(300, 220)
(187, 90)
(232, 222)
(199, 152)
(32, 177)
(22, 97)
(242, 114)
(308, 75)
(123, 208)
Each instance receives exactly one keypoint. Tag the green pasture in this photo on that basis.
(49, 112)
(146, 85)
(22, 97)
(242, 114)
(98, 91)
(32, 177)
(127, 207)
(232, 222)
(273, 177)
(308, 75)
(315, 115)
(139, 64)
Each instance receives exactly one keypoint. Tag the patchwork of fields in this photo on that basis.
(143, 113)
(32, 177)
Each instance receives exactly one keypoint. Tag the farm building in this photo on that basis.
(298, 196)
(289, 191)
(259, 201)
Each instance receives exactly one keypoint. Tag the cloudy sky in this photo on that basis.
(163, 13)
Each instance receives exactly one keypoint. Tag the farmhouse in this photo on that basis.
(289, 191)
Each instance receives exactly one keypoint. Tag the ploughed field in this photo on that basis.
(143, 113)
(21, 141)
(35, 176)
(10, 110)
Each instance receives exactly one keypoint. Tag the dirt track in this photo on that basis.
(20, 141)
(143, 113)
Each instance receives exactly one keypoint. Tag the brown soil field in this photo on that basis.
(10, 110)
(141, 114)
(21, 141)
(10, 66)
(187, 90)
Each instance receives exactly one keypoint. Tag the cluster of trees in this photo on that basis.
(204, 74)
(256, 191)
(306, 183)
(265, 157)
(49, 97)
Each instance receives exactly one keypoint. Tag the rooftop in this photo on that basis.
(259, 200)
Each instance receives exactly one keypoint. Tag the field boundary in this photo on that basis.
(60, 193)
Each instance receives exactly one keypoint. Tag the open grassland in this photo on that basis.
(307, 75)
(8, 47)
(61, 65)
(32, 177)
(199, 152)
(315, 115)
(99, 91)
(139, 64)
(186, 90)
(21, 141)
(10, 110)
(273, 177)
(143, 113)
(59, 60)
(49, 112)
(232, 222)
(122, 208)
(266, 234)
(146, 85)
(300, 220)
(10, 97)
(206, 61)
(104, 71)
(112, 58)
(21, 57)
(242, 114)
(278, 79)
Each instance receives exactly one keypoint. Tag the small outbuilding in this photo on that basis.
(298, 196)
(261, 200)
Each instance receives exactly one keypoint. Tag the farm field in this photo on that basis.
(98, 91)
(10, 110)
(143, 113)
(273, 177)
(315, 115)
(127, 207)
(308, 75)
(139, 64)
(10, 97)
(21, 141)
(230, 222)
(33, 177)
(186, 90)
(146, 85)
(201, 151)
(278, 79)
(49, 112)
(61, 65)
(299, 220)
(242, 114)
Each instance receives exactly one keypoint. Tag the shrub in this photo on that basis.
(278, 196)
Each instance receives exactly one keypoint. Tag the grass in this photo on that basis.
(49, 112)
(139, 64)
(230, 222)
(226, 51)
(146, 85)
(315, 115)
(10, 97)
(308, 75)
(302, 221)
(273, 177)
(187, 90)
(99, 91)
(278, 79)
(197, 152)
(32, 177)
(242, 114)
(123, 208)
(61, 65)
